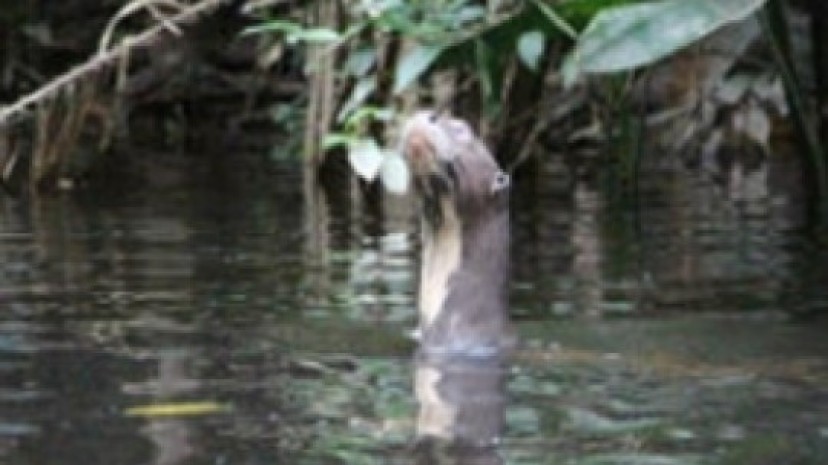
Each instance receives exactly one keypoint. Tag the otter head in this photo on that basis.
(447, 158)
(465, 217)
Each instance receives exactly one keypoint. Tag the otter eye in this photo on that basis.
(500, 182)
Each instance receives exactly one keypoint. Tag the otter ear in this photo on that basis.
(501, 182)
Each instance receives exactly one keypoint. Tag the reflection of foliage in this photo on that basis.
(358, 412)
(688, 395)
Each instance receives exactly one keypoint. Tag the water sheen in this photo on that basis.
(248, 324)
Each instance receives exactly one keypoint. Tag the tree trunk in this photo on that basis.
(819, 33)
(322, 99)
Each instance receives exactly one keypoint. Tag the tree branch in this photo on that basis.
(101, 60)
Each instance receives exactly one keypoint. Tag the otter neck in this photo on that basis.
(442, 254)
(465, 258)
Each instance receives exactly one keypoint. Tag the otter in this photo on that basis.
(464, 275)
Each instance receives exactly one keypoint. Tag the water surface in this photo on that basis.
(266, 327)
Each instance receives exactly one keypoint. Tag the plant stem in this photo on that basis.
(815, 174)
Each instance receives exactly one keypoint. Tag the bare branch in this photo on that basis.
(145, 39)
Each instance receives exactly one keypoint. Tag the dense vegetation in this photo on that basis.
(689, 75)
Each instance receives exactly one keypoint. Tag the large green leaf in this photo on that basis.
(414, 64)
(362, 90)
(630, 36)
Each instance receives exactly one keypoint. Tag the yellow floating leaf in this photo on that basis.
(178, 409)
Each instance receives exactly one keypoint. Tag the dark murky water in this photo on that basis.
(235, 327)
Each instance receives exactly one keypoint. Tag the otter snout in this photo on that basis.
(426, 142)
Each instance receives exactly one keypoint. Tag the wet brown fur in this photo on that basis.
(464, 194)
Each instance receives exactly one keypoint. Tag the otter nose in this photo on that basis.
(418, 147)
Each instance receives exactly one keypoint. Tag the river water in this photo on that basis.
(241, 322)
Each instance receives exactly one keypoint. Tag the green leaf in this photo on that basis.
(313, 36)
(415, 64)
(556, 19)
(295, 32)
(366, 158)
(366, 114)
(394, 173)
(530, 48)
(630, 36)
(469, 14)
(273, 26)
(361, 61)
(336, 139)
(362, 90)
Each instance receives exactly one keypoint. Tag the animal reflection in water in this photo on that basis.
(464, 329)
(461, 409)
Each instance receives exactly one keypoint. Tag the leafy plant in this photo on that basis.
(630, 36)
(484, 44)
(367, 158)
